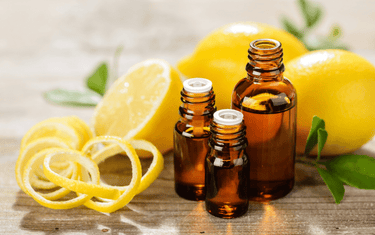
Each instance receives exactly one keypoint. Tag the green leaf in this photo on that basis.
(354, 170)
(334, 184)
(322, 138)
(312, 139)
(291, 28)
(335, 32)
(97, 81)
(311, 12)
(315, 16)
(73, 98)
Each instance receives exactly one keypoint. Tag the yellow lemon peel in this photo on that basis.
(50, 160)
(41, 182)
(92, 188)
(153, 171)
(131, 190)
(32, 148)
(40, 198)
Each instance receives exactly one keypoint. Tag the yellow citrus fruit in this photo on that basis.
(142, 104)
(222, 55)
(337, 86)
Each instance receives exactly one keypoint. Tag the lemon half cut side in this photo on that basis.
(142, 104)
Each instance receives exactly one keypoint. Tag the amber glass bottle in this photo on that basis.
(227, 166)
(268, 103)
(191, 136)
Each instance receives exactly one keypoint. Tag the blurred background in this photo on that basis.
(46, 44)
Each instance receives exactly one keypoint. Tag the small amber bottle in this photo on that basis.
(227, 166)
(191, 136)
(268, 102)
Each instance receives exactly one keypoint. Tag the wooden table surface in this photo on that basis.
(50, 44)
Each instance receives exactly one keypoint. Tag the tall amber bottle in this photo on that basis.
(268, 102)
(191, 136)
(227, 166)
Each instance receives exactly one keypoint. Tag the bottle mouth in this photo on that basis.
(197, 85)
(265, 44)
(228, 117)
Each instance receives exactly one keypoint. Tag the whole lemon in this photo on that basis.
(339, 87)
(222, 55)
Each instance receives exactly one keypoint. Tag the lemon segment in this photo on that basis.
(142, 104)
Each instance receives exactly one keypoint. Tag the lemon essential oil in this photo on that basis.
(227, 166)
(191, 135)
(268, 102)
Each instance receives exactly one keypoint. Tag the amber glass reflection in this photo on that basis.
(227, 171)
(191, 136)
(268, 103)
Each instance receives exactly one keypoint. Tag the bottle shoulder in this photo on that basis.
(264, 96)
(226, 159)
(187, 130)
(246, 85)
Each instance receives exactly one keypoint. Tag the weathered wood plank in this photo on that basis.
(309, 209)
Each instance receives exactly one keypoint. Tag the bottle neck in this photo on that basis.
(197, 104)
(265, 60)
(228, 137)
(197, 111)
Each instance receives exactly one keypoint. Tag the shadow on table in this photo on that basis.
(41, 219)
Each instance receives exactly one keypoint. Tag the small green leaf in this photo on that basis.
(72, 98)
(97, 81)
(311, 12)
(354, 170)
(304, 8)
(334, 184)
(312, 139)
(322, 138)
(335, 32)
(291, 28)
(315, 16)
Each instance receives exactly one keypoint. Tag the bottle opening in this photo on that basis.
(228, 117)
(197, 85)
(265, 44)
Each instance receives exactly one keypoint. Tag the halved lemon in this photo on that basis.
(142, 104)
